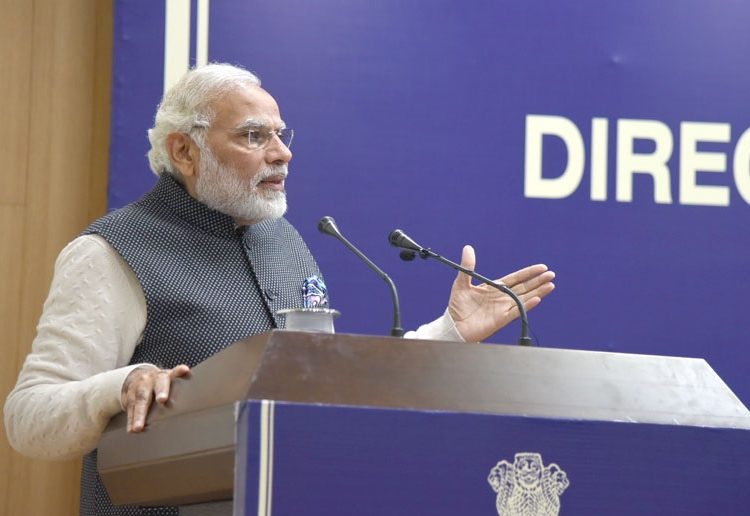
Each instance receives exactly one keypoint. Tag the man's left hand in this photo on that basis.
(480, 310)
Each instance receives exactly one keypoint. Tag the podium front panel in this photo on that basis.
(320, 459)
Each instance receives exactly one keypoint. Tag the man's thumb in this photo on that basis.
(469, 261)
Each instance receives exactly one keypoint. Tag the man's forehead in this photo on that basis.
(245, 104)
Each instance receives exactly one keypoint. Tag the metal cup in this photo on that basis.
(310, 319)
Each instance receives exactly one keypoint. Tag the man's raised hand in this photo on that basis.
(480, 310)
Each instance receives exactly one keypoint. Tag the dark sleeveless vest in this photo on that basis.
(207, 284)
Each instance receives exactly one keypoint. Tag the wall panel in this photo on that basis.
(15, 58)
(54, 140)
(10, 296)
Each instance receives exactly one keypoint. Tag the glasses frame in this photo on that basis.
(281, 134)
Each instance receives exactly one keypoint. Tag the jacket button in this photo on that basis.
(270, 294)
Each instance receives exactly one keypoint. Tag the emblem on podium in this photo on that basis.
(527, 487)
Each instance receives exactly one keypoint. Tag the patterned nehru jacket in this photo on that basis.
(207, 284)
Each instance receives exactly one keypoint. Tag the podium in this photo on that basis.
(305, 423)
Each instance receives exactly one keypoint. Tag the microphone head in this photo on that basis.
(394, 237)
(400, 239)
(328, 226)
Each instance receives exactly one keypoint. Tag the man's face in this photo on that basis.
(233, 176)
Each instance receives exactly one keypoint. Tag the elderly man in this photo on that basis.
(204, 259)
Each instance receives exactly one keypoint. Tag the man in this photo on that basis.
(204, 259)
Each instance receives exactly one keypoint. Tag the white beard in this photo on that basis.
(221, 188)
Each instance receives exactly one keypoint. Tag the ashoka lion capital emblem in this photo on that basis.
(527, 487)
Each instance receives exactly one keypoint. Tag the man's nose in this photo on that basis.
(277, 152)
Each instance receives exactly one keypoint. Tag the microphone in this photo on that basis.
(398, 238)
(327, 225)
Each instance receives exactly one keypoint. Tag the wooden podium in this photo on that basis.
(187, 453)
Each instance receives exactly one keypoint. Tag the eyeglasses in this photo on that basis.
(258, 135)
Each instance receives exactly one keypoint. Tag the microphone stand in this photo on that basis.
(328, 226)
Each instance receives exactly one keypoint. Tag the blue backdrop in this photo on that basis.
(415, 114)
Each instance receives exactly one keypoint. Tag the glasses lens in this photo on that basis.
(259, 138)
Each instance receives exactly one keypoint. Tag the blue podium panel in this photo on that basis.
(322, 459)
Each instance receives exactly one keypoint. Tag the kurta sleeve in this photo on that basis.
(69, 386)
(442, 328)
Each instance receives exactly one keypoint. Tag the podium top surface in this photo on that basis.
(434, 375)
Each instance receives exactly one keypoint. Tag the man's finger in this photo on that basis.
(144, 394)
(180, 370)
(130, 408)
(162, 382)
(525, 274)
(534, 283)
(130, 391)
(541, 291)
(469, 261)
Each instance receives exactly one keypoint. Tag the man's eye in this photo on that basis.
(255, 136)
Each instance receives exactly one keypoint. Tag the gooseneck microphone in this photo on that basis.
(328, 226)
(398, 238)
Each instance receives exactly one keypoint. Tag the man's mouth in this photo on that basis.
(273, 183)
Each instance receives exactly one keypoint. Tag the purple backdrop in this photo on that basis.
(412, 114)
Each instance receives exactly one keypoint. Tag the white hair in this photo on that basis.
(187, 103)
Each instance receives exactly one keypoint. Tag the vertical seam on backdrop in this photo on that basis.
(201, 36)
(176, 41)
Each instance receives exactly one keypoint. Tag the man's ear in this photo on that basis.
(183, 153)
